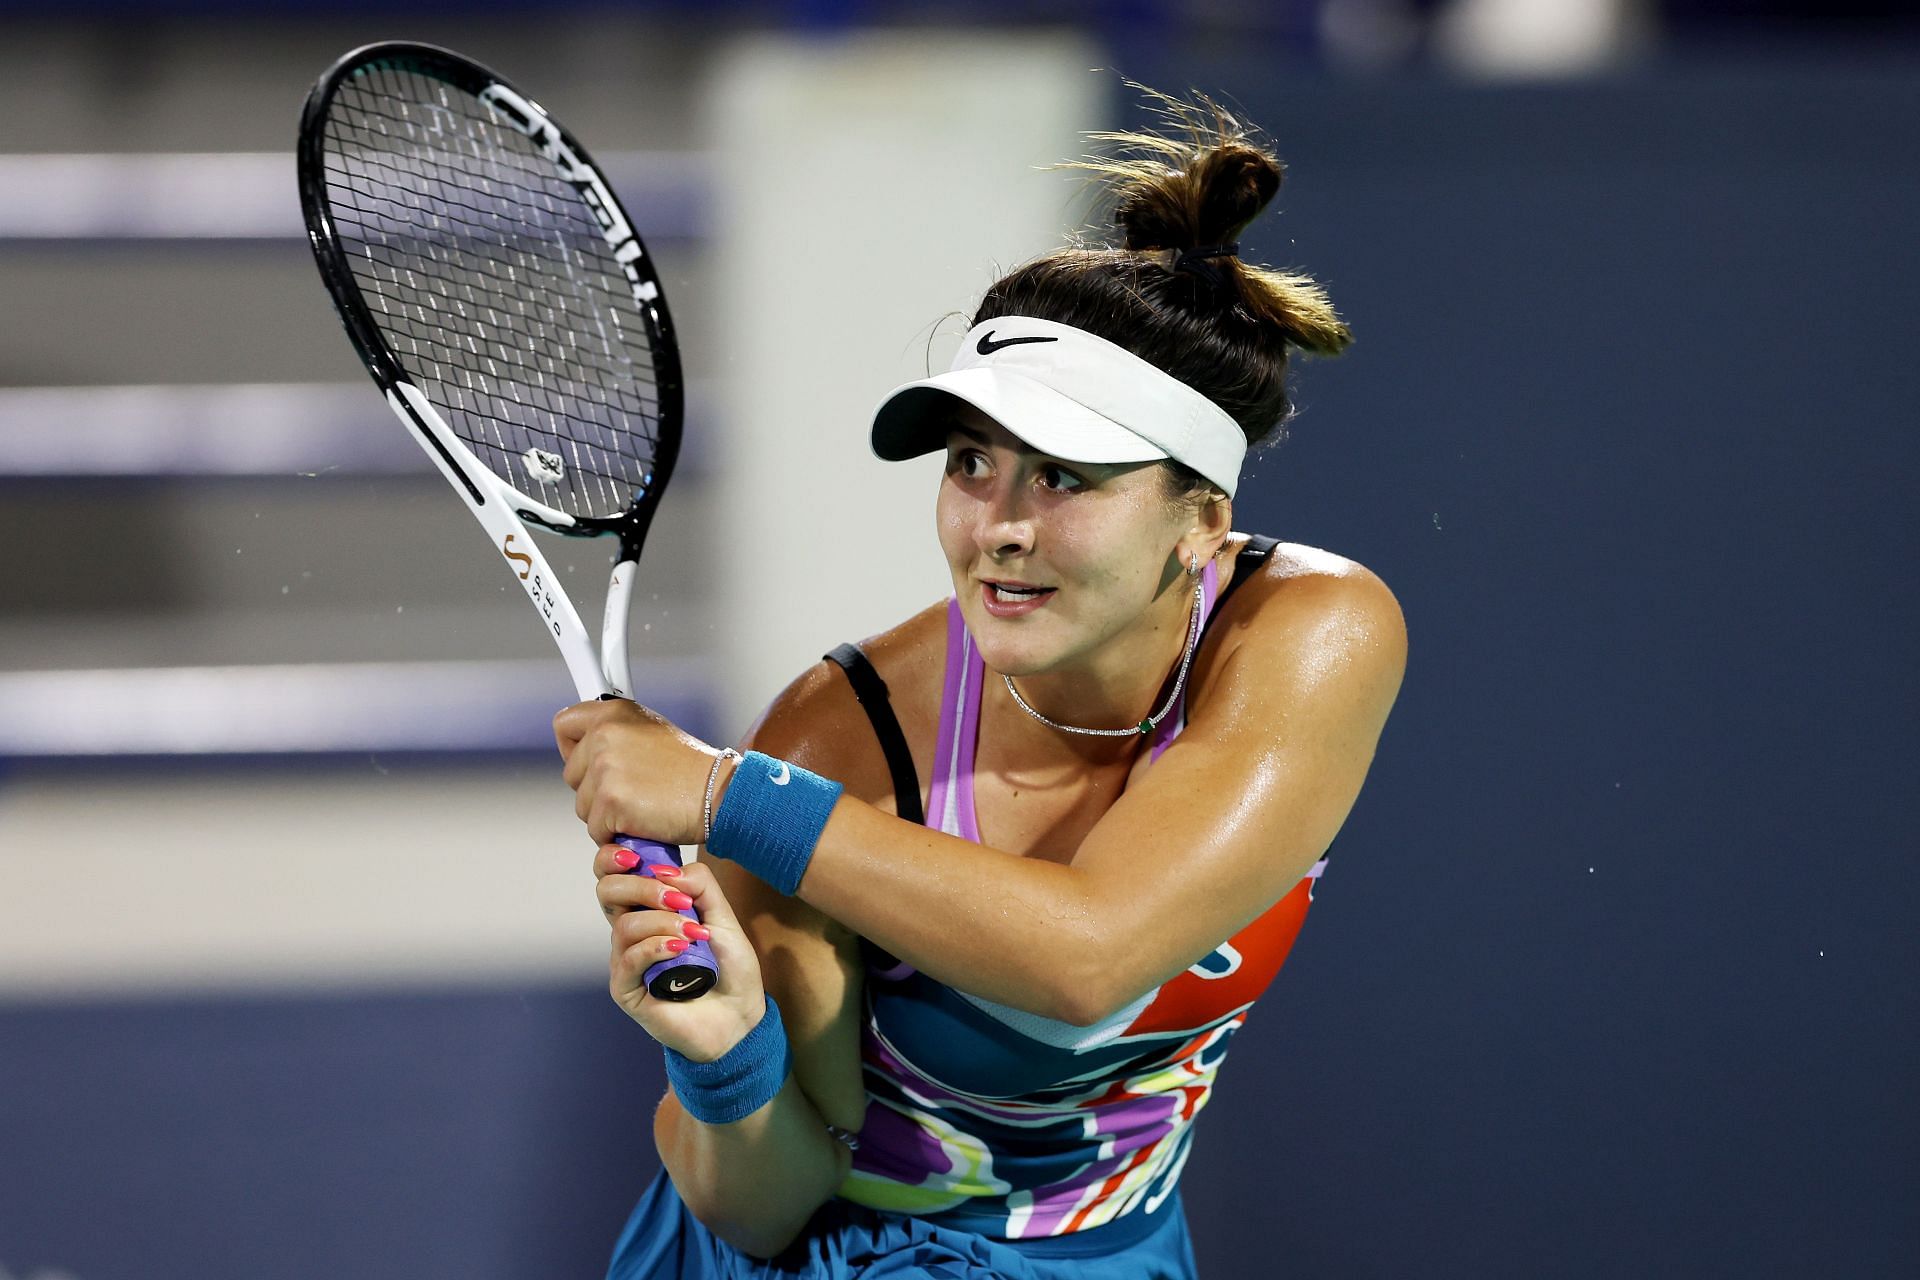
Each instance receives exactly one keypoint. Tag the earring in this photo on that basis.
(1193, 564)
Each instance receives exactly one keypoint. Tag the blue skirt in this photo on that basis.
(664, 1240)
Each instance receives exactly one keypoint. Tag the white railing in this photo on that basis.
(252, 195)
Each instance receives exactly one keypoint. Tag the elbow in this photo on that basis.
(1080, 1013)
(751, 1228)
(746, 1212)
(1085, 998)
(1085, 1009)
(1089, 968)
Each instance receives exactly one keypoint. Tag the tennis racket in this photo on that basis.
(499, 296)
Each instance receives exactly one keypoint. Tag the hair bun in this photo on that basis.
(1231, 187)
(1183, 191)
(1217, 322)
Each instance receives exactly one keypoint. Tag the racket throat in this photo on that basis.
(614, 666)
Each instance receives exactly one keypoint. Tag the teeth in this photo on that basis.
(1017, 593)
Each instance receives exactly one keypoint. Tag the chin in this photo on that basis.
(1010, 647)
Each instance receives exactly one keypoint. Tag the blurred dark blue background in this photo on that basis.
(1613, 969)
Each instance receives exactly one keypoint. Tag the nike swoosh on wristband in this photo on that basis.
(781, 776)
(987, 346)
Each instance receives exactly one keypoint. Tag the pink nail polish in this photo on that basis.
(674, 900)
(626, 859)
(698, 932)
(676, 945)
(659, 869)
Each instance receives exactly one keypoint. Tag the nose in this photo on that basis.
(1004, 527)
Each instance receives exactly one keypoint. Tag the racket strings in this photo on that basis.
(508, 278)
(496, 289)
(518, 327)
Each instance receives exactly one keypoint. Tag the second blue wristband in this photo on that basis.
(740, 1081)
(771, 818)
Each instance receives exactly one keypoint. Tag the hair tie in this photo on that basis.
(1198, 261)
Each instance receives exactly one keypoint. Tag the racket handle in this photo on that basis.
(693, 972)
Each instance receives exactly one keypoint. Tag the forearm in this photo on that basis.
(1024, 932)
(754, 1182)
(1072, 942)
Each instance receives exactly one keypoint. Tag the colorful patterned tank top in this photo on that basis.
(1018, 1126)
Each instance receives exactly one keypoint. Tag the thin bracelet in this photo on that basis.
(706, 807)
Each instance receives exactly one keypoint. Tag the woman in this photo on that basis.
(974, 1045)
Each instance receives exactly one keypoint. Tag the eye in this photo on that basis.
(970, 463)
(1060, 479)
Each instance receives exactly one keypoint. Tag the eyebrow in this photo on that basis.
(971, 433)
(1085, 470)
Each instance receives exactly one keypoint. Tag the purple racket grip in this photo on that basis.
(693, 972)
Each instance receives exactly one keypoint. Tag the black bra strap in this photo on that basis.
(872, 692)
(1250, 558)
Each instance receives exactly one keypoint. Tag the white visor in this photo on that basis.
(1069, 394)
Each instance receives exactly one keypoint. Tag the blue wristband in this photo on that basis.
(740, 1081)
(771, 817)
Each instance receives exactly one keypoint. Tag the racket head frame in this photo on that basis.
(501, 508)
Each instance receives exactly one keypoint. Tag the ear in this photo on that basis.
(1212, 522)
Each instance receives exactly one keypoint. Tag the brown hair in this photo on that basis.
(1224, 329)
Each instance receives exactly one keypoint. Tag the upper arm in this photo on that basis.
(809, 962)
(1258, 783)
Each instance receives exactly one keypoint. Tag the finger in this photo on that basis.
(700, 889)
(598, 826)
(629, 965)
(615, 859)
(636, 927)
(732, 949)
(638, 893)
(603, 815)
(570, 724)
(574, 767)
(612, 859)
(698, 882)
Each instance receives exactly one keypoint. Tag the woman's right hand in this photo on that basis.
(644, 922)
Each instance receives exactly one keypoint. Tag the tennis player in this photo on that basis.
(991, 893)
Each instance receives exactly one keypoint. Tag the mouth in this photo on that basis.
(1008, 599)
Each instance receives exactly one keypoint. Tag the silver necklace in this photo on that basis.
(1152, 722)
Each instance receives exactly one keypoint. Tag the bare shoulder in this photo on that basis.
(1308, 614)
(1300, 577)
(1298, 582)
(817, 721)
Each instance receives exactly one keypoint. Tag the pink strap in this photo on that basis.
(1169, 729)
(950, 799)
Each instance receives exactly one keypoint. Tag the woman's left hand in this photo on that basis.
(632, 772)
